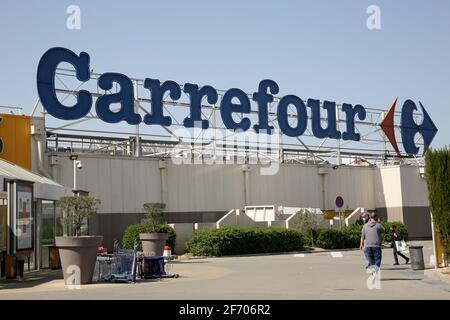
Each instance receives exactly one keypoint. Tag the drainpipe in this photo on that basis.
(163, 181)
(323, 172)
(246, 170)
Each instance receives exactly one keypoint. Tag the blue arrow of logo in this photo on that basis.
(409, 128)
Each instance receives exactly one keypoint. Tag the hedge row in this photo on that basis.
(233, 240)
(350, 237)
(337, 239)
(132, 233)
(237, 240)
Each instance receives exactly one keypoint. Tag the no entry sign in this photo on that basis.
(339, 202)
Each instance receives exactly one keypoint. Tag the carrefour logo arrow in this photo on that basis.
(408, 127)
(387, 125)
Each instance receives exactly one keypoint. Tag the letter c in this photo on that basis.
(46, 83)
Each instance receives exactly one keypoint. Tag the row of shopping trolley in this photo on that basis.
(128, 266)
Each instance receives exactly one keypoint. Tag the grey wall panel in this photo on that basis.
(418, 220)
(354, 184)
(292, 186)
(99, 170)
(382, 213)
(204, 187)
(122, 184)
(117, 189)
(414, 188)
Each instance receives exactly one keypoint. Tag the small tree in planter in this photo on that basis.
(76, 210)
(154, 241)
(154, 214)
(78, 253)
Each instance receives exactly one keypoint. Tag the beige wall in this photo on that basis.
(204, 187)
(354, 184)
(387, 187)
(122, 184)
(292, 186)
(125, 184)
(414, 188)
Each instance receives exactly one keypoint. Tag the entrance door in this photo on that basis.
(47, 231)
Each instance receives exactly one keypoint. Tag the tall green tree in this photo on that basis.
(437, 172)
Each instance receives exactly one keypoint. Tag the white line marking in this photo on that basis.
(336, 254)
(299, 255)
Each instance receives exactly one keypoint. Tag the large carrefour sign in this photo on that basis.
(233, 101)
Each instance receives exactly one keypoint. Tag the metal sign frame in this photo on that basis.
(160, 141)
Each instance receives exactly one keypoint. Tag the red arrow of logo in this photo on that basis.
(387, 125)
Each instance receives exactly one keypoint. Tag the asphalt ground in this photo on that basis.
(319, 275)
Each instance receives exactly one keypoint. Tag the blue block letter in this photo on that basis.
(318, 131)
(263, 99)
(350, 113)
(46, 83)
(157, 91)
(227, 108)
(282, 115)
(196, 95)
(125, 97)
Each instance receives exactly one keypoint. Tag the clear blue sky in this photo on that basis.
(314, 49)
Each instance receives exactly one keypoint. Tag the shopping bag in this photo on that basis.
(401, 245)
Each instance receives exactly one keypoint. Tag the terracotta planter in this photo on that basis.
(153, 242)
(79, 252)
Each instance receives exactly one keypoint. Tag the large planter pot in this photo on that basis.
(78, 252)
(153, 242)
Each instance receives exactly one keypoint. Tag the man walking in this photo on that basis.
(365, 218)
(371, 237)
(397, 236)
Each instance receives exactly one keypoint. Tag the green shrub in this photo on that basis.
(132, 233)
(331, 239)
(387, 237)
(233, 240)
(350, 237)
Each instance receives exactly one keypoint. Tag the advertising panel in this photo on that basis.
(24, 218)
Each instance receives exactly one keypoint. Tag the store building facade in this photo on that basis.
(29, 218)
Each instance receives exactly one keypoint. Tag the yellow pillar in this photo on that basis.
(439, 248)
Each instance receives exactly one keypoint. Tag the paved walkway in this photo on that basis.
(324, 275)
